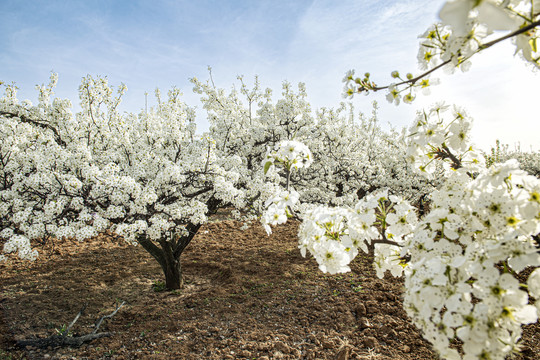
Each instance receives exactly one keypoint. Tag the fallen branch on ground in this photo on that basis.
(64, 337)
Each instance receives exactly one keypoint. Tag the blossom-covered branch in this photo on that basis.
(457, 38)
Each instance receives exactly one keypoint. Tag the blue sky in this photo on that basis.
(149, 44)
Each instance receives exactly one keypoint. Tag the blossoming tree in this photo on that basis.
(350, 154)
(148, 178)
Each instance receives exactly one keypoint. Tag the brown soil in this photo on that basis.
(247, 296)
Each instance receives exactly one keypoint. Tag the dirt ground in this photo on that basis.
(247, 296)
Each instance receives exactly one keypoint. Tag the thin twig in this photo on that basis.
(98, 324)
(481, 47)
(68, 329)
(415, 79)
(386, 241)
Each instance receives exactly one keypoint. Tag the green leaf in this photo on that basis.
(533, 43)
(267, 166)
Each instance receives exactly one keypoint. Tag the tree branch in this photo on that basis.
(98, 323)
(385, 241)
(61, 340)
(25, 119)
(149, 246)
(68, 329)
(64, 338)
(481, 47)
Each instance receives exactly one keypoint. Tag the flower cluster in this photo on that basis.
(470, 22)
(278, 208)
(464, 255)
(433, 137)
(18, 243)
(290, 154)
(377, 224)
(325, 234)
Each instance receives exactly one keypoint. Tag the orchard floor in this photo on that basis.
(247, 296)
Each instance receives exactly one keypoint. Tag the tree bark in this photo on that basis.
(169, 262)
(173, 276)
(171, 267)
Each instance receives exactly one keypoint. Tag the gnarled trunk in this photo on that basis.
(167, 259)
(173, 275)
(168, 255)
(168, 252)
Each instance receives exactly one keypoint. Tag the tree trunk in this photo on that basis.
(168, 252)
(170, 263)
(173, 273)
(167, 259)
